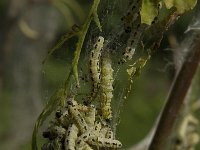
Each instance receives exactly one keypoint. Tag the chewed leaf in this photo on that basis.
(181, 5)
(149, 11)
(49, 108)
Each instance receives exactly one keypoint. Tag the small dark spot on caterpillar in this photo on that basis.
(58, 114)
(133, 7)
(132, 42)
(95, 46)
(85, 137)
(90, 71)
(128, 29)
(69, 103)
(79, 142)
(85, 127)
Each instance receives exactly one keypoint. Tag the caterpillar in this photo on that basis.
(91, 138)
(97, 128)
(78, 117)
(106, 131)
(106, 88)
(105, 142)
(110, 143)
(90, 116)
(133, 41)
(71, 137)
(94, 63)
(82, 139)
(47, 146)
(55, 144)
(62, 117)
(132, 14)
(109, 134)
(54, 132)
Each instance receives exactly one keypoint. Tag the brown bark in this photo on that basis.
(177, 95)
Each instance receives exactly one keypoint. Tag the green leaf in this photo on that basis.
(149, 11)
(181, 5)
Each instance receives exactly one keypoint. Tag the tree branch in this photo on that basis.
(176, 97)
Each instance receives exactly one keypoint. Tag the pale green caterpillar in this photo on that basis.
(95, 56)
(131, 15)
(71, 137)
(106, 87)
(77, 116)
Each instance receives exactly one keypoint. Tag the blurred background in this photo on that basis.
(29, 28)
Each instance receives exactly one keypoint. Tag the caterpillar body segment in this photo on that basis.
(133, 41)
(109, 134)
(87, 147)
(83, 140)
(71, 136)
(90, 116)
(110, 143)
(106, 87)
(97, 128)
(106, 132)
(78, 117)
(54, 144)
(54, 132)
(104, 142)
(82, 107)
(49, 145)
(95, 56)
(131, 15)
(63, 118)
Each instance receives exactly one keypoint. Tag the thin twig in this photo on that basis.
(176, 97)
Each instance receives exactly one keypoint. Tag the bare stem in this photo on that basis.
(176, 97)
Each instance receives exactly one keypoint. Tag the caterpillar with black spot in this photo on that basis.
(77, 116)
(54, 132)
(62, 117)
(133, 41)
(95, 55)
(92, 139)
(131, 15)
(105, 142)
(90, 116)
(71, 137)
(106, 88)
(54, 144)
(81, 140)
